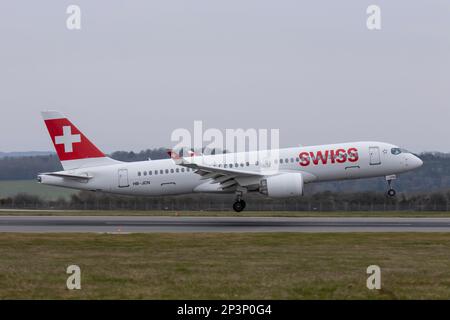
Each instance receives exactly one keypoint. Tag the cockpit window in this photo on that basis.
(396, 151)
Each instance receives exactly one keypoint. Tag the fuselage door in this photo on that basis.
(374, 154)
(123, 178)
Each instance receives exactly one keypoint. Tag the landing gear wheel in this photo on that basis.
(239, 205)
(391, 193)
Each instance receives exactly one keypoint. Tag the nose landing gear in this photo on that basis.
(239, 205)
(391, 192)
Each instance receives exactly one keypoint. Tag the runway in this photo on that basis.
(123, 224)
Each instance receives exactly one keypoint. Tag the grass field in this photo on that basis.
(405, 214)
(13, 187)
(225, 266)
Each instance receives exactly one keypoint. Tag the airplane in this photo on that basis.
(276, 173)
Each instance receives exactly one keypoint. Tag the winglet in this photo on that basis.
(175, 156)
(172, 154)
(193, 153)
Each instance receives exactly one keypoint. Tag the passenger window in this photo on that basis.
(150, 172)
(156, 172)
(145, 173)
(281, 160)
(292, 159)
(171, 171)
(167, 171)
(286, 160)
(297, 159)
(236, 165)
(256, 163)
(247, 164)
(139, 173)
(182, 169)
(161, 171)
(177, 170)
(242, 164)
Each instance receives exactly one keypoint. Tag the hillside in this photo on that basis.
(24, 154)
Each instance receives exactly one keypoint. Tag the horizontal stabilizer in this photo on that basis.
(69, 176)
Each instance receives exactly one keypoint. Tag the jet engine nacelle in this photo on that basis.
(282, 186)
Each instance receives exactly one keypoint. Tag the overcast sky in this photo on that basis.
(137, 70)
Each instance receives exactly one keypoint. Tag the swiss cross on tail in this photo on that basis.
(68, 139)
(69, 142)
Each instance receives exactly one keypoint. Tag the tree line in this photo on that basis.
(320, 201)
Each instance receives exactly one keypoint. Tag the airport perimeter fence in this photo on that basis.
(320, 202)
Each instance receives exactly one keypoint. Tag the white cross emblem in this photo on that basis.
(68, 139)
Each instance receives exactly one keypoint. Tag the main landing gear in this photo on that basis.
(239, 205)
(391, 192)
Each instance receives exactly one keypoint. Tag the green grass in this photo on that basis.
(405, 214)
(225, 266)
(13, 187)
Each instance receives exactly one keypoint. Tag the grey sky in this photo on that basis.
(139, 69)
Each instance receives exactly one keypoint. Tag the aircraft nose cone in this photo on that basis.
(416, 162)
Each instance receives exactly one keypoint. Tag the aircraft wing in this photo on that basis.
(228, 179)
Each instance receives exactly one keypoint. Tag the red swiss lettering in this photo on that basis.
(332, 156)
(341, 156)
(319, 156)
(304, 159)
(352, 154)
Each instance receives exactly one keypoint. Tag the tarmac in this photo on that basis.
(134, 224)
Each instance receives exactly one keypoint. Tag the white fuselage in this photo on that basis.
(315, 163)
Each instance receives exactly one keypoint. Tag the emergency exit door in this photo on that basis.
(374, 153)
(123, 178)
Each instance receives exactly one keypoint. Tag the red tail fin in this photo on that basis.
(69, 142)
